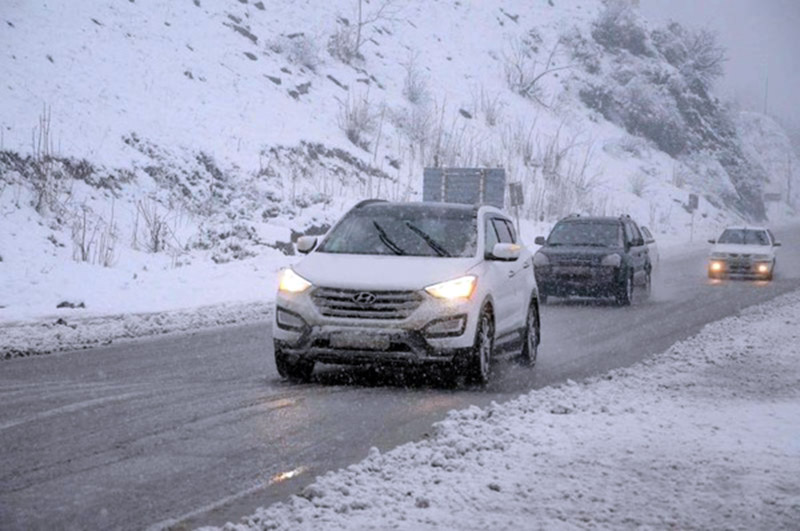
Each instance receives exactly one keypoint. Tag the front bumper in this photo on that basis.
(437, 332)
(721, 267)
(561, 281)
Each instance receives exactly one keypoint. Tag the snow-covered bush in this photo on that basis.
(619, 27)
(638, 184)
(299, 48)
(357, 120)
(415, 82)
(342, 44)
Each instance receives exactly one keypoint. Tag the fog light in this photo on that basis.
(446, 327)
(716, 267)
(289, 320)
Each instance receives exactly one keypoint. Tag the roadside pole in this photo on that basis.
(693, 204)
(516, 198)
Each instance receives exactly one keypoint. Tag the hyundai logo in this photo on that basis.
(365, 298)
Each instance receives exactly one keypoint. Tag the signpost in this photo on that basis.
(516, 198)
(694, 202)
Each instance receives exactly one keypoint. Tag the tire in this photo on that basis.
(625, 291)
(648, 284)
(530, 340)
(299, 371)
(543, 298)
(479, 362)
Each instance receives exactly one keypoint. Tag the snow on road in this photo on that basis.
(704, 436)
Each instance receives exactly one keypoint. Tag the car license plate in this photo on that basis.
(359, 341)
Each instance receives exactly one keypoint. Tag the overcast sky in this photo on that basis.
(763, 40)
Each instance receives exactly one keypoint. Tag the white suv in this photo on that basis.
(409, 283)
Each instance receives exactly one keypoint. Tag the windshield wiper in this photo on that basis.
(387, 241)
(433, 244)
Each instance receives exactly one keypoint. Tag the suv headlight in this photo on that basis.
(761, 257)
(458, 288)
(719, 256)
(611, 260)
(291, 282)
(540, 259)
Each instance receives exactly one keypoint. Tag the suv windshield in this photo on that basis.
(398, 230)
(586, 233)
(744, 236)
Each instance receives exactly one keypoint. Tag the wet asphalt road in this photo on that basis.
(198, 429)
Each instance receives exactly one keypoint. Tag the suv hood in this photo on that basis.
(567, 253)
(738, 248)
(379, 272)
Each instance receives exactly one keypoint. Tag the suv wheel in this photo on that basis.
(299, 371)
(530, 345)
(625, 291)
(479, 365)
(648, 284)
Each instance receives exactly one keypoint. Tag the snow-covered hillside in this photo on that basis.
(147, 145)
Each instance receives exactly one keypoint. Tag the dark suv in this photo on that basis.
(594, 257)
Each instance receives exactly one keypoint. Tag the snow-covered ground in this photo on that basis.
(704, 436)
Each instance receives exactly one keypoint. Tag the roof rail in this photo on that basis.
(366, 202)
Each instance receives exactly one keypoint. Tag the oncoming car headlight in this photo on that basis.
(291, 282)
(458, 288)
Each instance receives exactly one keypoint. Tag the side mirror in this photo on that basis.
(306, 244)
(539, 240)
(507, 252)
(776, 244)
(712, 241)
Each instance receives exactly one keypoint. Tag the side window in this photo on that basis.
(511, 230)
(637, 236)
(490, 237)
(771, 237)
(648, 237)
(628, 233)
(503, 232)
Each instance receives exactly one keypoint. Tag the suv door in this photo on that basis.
(502, 274)
(522, 279)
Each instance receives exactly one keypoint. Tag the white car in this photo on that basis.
(652, 247)
(743, 252)
(408, 283)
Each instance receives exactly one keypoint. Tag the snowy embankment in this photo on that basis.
(704, 436)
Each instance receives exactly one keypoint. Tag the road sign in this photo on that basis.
(470, 186)
(693, 202)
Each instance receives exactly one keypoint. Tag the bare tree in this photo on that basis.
(42, 149)
(156, 228)
(345, 43)
(523, 73)
(706, 58)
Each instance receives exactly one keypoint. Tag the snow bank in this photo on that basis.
(706, 435)
(66, 333)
